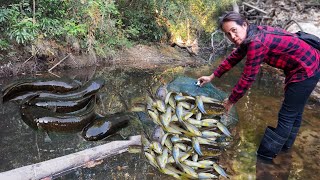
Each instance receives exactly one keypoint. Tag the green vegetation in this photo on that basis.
(102, 26)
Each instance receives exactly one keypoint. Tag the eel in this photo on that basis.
(105, 126)
(40, 118)
(91, 87)
(61, 105)
(43, 84)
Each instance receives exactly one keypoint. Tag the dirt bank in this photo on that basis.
(138, 56)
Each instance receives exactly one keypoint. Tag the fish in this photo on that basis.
(160, 105)
(206, 141)
(157, 134)
(189, 171)
(162, 92)
(181, 146)
(156, 146)
(223, 129)
(103, 127)
(177, 139)
(206, 99)
(209, 134)
(170, 173)
(200, 105)
(22, 86)
(39, 118)
(170, 100)
(152, 160)
(207, 176)
(165, 118)
(166, 100)
(89, 88)
(199, 116)
(219, 170)
(185, 105)
(192, 129)
(195, 164)
(176, 154)
(186, 155)
(168, 144)
(196, 145)
(195, 157)
(173, 169)
(183, 98)
(155, 117)
(209, 122)
(60, 105)
(163, 158)
(145, 142)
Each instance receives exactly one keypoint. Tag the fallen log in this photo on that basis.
(57, 166)
(183, 46)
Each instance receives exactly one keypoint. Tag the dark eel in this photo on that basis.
(105, 126)
(91, 87)
(26, 85)
(40, 118)
(61, 105)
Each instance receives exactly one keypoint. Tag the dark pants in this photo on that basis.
(289, 119)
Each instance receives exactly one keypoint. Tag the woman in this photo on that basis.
(280, 49)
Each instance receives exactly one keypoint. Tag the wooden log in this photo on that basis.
(58, 166)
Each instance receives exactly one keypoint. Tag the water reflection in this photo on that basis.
(22, 146)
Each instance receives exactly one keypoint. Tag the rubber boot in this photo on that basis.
(270, 145)
(292, 137)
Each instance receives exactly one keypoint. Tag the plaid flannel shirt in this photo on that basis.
(295, 57)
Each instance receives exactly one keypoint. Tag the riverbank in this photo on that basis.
(139, 56)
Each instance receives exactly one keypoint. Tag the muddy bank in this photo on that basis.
(138, 56)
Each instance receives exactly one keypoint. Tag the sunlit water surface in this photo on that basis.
(21, 146)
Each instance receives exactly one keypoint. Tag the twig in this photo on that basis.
(59, 62)
(54, 74)
(30, 57)
(289, 22)
(253, 7)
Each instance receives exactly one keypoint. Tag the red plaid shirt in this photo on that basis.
(295, 57)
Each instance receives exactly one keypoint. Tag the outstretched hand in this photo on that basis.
(205, 79)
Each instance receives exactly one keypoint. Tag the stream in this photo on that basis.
(125, 87)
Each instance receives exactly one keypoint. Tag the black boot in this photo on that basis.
(270, 145)
(292, 137)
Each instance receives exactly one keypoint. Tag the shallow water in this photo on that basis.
(20, 145)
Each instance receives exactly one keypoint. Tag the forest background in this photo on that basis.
(35, 35)
(50, 29)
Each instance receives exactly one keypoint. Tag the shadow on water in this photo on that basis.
(21, 146)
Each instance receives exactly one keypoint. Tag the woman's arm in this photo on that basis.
(234, 58)
(255, 55)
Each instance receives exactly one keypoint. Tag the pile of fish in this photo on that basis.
(63, 105)
(192, 138)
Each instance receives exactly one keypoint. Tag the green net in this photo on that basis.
(188, 85)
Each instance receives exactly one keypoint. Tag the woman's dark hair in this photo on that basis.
(232, 16)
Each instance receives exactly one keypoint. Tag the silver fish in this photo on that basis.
(196, 145)
(207, 176)
(220, 170)
(200, 105)
(162, 92)
(224, 129)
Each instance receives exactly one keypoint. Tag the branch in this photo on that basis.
(253, 7)
(59, 62)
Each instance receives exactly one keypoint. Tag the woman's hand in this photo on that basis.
(205, 79)
(227, 105)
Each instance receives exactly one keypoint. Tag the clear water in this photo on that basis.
(21, 146)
